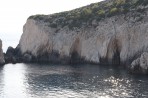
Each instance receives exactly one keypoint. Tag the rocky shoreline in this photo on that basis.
(105, 33)
(13, 55)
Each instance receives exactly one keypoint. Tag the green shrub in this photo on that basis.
(113, 11)
(101, 13)
(120, 2)
(97, 11)
(108, 4)
(87, 11)
(95, 6)
(37, 17)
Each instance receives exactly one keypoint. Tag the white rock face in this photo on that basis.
(118, 38)
(2, 61)
(140, 65)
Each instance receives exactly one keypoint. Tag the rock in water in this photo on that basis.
(2, 61)
(140, 65)
(10, 55)
(27, 58)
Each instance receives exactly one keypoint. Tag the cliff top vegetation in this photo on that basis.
(96, 11)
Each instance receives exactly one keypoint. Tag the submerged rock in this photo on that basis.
(140, 65)
(2, 60)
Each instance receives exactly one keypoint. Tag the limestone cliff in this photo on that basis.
(2, 61)
(109, 32)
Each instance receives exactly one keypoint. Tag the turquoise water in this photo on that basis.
(65, 81)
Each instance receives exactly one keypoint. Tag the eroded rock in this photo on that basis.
(9, 56)
(140, 65)
(27, 57)
(13, 55)
(2, 61)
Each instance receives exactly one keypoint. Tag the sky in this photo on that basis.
(14, 13)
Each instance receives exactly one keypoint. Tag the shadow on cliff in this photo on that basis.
(113, 53)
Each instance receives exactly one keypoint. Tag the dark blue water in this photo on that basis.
(65, 81)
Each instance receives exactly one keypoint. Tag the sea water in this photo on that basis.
(70, 81)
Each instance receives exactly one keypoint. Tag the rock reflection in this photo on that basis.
(13, 79)
(1, 82)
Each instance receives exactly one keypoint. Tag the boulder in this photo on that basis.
(27, 57)
(13, 55)
(9, 56)
(140, 65)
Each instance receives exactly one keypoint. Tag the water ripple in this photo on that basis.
(64, 81)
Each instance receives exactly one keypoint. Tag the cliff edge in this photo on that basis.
(112, 32)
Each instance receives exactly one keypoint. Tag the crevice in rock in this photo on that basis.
(113, 53)
(75, 52)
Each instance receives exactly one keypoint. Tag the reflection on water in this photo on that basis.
(59, 81)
